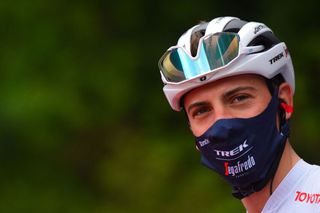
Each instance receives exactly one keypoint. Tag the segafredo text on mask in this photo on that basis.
(239, 167)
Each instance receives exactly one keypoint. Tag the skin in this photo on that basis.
(241, 96)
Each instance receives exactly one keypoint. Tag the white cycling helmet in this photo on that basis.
(228, 46)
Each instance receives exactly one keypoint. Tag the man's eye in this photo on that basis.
(200, 111)
(239, 98)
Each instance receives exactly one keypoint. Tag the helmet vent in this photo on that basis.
(195, 37)
(234, 26)
(267, 39)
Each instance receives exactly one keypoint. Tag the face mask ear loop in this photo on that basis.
(282, 122)
(282, 115)
(271, 183)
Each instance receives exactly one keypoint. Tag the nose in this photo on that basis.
(220, 112)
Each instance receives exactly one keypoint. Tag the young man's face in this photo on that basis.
(241, 96)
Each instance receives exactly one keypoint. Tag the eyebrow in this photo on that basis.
(197, 104)
(226, 94)
(238, 89)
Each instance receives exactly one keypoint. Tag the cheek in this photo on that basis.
(198, 129)
(256, 107)
(255, 110)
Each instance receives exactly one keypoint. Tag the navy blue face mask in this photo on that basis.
(245, 151)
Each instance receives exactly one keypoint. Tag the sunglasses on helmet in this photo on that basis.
(214, 51)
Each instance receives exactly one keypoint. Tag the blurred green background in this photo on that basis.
(85, 126)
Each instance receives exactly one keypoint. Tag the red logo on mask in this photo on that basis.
(226, 167)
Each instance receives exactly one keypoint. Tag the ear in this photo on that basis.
(286, 94)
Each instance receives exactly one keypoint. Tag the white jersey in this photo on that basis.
(298, 192)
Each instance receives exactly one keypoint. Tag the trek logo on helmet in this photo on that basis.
(276, 58)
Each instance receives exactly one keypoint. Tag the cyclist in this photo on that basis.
(235, 82)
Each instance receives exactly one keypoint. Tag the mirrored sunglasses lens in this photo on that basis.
(221, 49)
(215, 51)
